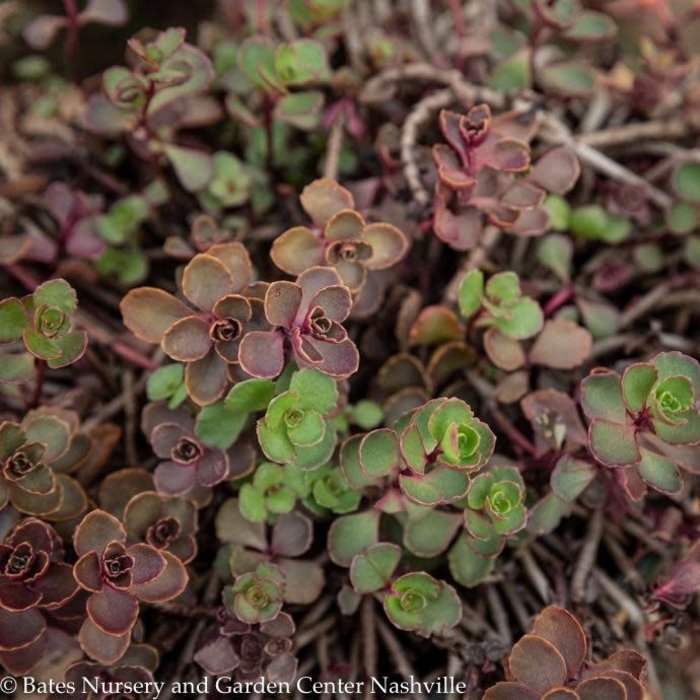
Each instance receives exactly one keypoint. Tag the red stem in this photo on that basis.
(558, 300)
(70, 47)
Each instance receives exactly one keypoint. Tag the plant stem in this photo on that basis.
(40, 377)
(558, 300)
(70, 46)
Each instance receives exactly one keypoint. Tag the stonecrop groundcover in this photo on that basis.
(349, 347)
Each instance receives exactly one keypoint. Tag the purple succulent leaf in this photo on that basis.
(56, 586)
(87, 572)
(323, 198)
(187, 340)
(282, 303)
(335, 301)
(149, 312)
(99, 645)
(96, 530)
(311, 282)
(261, 354)
(236, 259)
(21, 661)
(297, 250)
(233, 306)
(19, 629)
(113, 611)
(167, 585)
(205, 280)
(17, 597)
(148, 563)
(217, 656)
(173, 479)
(165, 437)
(206, 379)
(389, 245)
(339, 360)
(212, 468)
(345, 225)
(557, 170)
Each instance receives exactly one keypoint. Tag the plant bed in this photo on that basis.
(349, 349)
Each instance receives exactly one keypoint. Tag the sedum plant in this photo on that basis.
(34, 580)
(419, 603)
(294, 429)
(478, 176)
(639, 420)
(550, 662)
(340, 238)
(256, 596)
(116, 577)
(208, 337)
(315, 219)
(43, 321)
(306, 318)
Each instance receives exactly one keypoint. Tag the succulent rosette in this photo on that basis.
(422, 604)
(119, 576)
(442, 444)
(256, 596)
(306, 317)
(549, 663)
(249, 651)
(495, 502)
(166, 523)
(295, 429)
(639, 419)
(33, 579)
(485, 170)
(43, 321)
(206, 338)
(36, 457)
(340, 238)
(189, 465)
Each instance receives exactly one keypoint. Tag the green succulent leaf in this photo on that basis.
(470, 293)
(315, 390)
(57, 294)
(219, 426)
(372, 570)
(613, 444)
(660, 473)
(350, 535)
(250, 395)
(430, 534)
(13, 320)
(468, 567)
(686, 182)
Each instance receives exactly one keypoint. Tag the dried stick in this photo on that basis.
(587, 556)
(631, 133)
(498, 614)
(417, 117)
(369, 640)
(423, 25)
(310, 633)
(113, 407)
(333, 148)
(631, 574)
(535, 574)
(403, 665)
